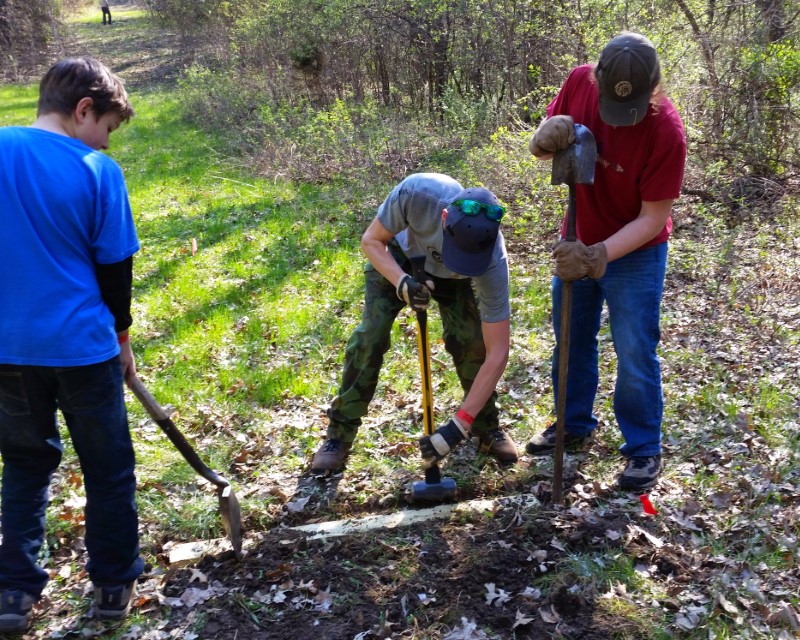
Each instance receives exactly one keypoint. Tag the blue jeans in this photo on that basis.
(632, 288)
(92, 402)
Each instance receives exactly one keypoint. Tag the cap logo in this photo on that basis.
(623, 88)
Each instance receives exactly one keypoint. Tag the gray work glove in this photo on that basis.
(552, 135)
(415, 294)
(442, 441)
(574, 260)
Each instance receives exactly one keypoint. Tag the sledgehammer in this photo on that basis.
(434, 488)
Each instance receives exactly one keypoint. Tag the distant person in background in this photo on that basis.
(106, 11)
(67, 240)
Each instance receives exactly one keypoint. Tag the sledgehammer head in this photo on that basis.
(433, 492)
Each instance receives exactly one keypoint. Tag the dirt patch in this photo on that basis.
(472, 574)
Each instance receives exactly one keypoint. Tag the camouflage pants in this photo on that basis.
(368, 344)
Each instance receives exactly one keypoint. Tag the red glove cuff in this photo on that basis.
(465, 417)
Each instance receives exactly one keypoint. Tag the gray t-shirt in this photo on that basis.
(413, 213)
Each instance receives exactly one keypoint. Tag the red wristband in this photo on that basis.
(465, 417)
(122, 337)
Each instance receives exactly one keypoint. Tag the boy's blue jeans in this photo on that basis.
(632, 288)
(92, 402)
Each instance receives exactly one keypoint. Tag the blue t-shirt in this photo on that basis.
(63, 209)
(413, 212)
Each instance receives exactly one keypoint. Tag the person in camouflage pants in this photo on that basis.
(409, 223)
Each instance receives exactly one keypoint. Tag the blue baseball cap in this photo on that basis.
(469, 240)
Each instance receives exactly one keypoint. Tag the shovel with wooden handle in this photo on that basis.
(228, 502)
(571, 166)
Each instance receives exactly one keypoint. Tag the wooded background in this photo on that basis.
(732, 68)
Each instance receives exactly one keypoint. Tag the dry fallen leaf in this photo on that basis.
(468, 631)
(549, 614)
(521, 620)
(495, 596)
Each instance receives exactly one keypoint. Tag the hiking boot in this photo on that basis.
(641, 473)
(15, 611)
(545, 442)
(112, 601)
(499, 444)
(331, 455)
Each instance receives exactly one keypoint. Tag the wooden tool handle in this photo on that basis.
(163, 420)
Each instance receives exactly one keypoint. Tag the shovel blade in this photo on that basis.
(231, 518)
(575, 164)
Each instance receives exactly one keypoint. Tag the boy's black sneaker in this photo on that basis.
(15, 611)
(641, 473)
(112, 601)
(545, 442)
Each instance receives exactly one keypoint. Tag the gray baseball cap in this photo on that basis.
(627, 73)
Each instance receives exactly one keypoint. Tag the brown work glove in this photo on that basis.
(552, 135)
(574, 260)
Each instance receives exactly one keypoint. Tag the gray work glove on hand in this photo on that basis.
(574, 260)
(416, 295)
(552, 135)
(442, 441)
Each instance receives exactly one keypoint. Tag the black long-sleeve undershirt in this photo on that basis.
(115, 281)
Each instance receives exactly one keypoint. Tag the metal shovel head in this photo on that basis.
(231, 518)
(575, 164)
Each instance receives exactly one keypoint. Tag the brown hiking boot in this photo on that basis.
(331, 455)
(499, 444)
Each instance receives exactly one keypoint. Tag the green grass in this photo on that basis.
(18, 104)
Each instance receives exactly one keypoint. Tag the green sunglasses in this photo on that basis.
(473, 208)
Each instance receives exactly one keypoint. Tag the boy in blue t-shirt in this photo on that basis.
(67, 240)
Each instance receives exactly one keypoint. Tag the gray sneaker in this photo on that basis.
(545, 442)
(15, 610)
(641, 473)
(112, 601)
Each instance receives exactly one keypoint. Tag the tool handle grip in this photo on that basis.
(162, 419)
(571, 227)
(433, 474)
(418, 268)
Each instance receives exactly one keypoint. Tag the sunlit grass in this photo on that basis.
(18, 104)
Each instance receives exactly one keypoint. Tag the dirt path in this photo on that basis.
(142, 53)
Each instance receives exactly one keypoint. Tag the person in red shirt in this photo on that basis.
(623, 223)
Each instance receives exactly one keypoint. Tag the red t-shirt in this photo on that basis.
(634, 164)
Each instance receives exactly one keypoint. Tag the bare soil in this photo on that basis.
(435, 575)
